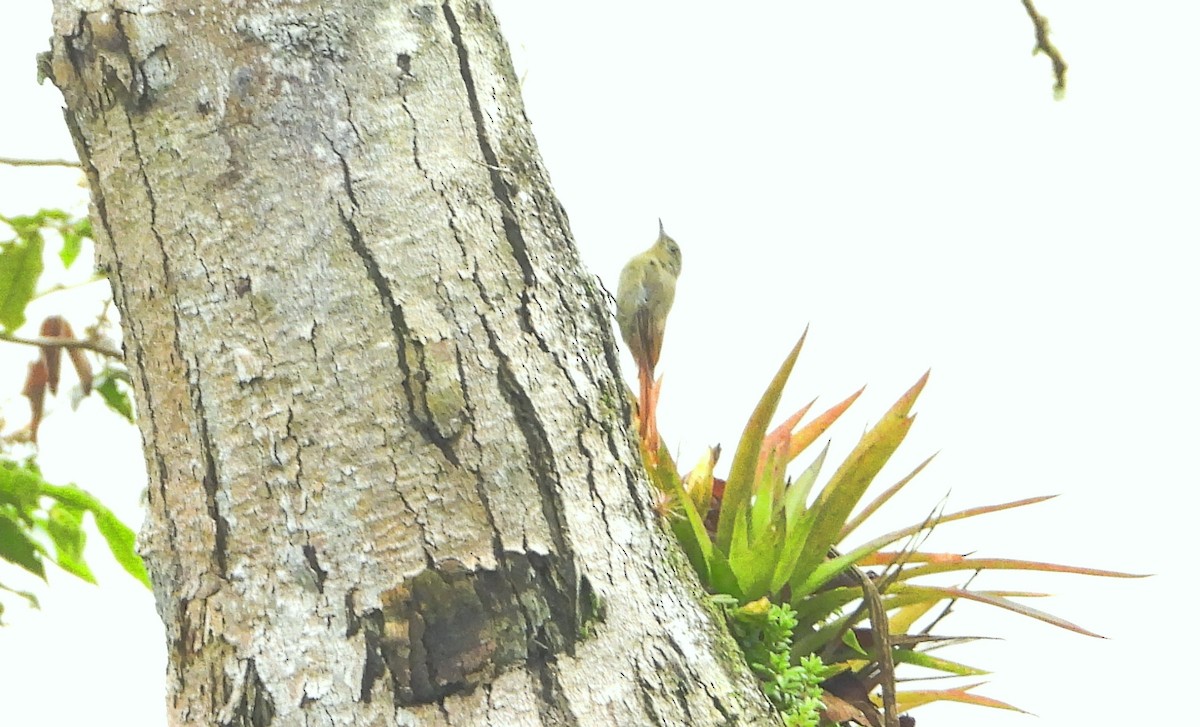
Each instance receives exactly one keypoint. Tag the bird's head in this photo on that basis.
(672, 257)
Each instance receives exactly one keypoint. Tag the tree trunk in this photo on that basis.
(391, 479)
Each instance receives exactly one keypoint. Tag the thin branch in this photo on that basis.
(1041, 32)
(93, 346)
(14, 162)
(96, 277)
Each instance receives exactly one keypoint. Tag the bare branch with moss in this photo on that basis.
(14, 162)
(1041, 33)
(93, 346)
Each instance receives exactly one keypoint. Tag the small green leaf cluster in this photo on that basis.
(113, 385)
(765, 632)
(21, 257)
(42, 522)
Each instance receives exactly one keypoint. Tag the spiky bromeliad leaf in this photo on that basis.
(689, 529)
(822, 618)
(809, 433)
(865, 554)
(782, 446)
(922, 659)
(909, 700)
(881, 500)
(945, 565)
(817, 636)
(839, 497)
(797, 492)
(901, 622)
(768, 490)
(710, 564)
(699, 482)
(779, 439)
(907, 589)
(739, 486)
(797, 525)
(753, 551)
(819, 606)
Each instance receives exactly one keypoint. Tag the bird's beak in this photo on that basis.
(661, 231)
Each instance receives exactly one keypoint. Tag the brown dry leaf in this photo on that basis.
(83, 369)
(839, 711)
(58, 327)
(53, 327)
(35, 389)
(849, 690)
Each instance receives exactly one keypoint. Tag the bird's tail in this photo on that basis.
(647, 404)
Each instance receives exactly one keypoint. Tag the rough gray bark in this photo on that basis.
(391, 481)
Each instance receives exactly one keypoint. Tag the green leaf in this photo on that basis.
(722, 578)
(120, 538)
(850, 639)
(29, 231)
(798, 524)
(19, 487)
(745, 461)
(689, 529)
(71, 496)
(817, 607)
(73, 235)
(65, 526)
(762, 508)
(123, 543)
(44, 217)
(918, 658)
(797, 492)
(816, 639)
(752, 557)
(20, 268)
(18, 548)
(114, 393)
(838, 498)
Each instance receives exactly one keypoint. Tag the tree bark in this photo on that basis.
(391, 476)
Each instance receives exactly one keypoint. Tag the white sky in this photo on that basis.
(894, 172)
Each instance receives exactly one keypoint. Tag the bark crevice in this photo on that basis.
(210, 482)
(503, 196)
(414, 373)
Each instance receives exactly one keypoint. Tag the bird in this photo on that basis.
(645, 294)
